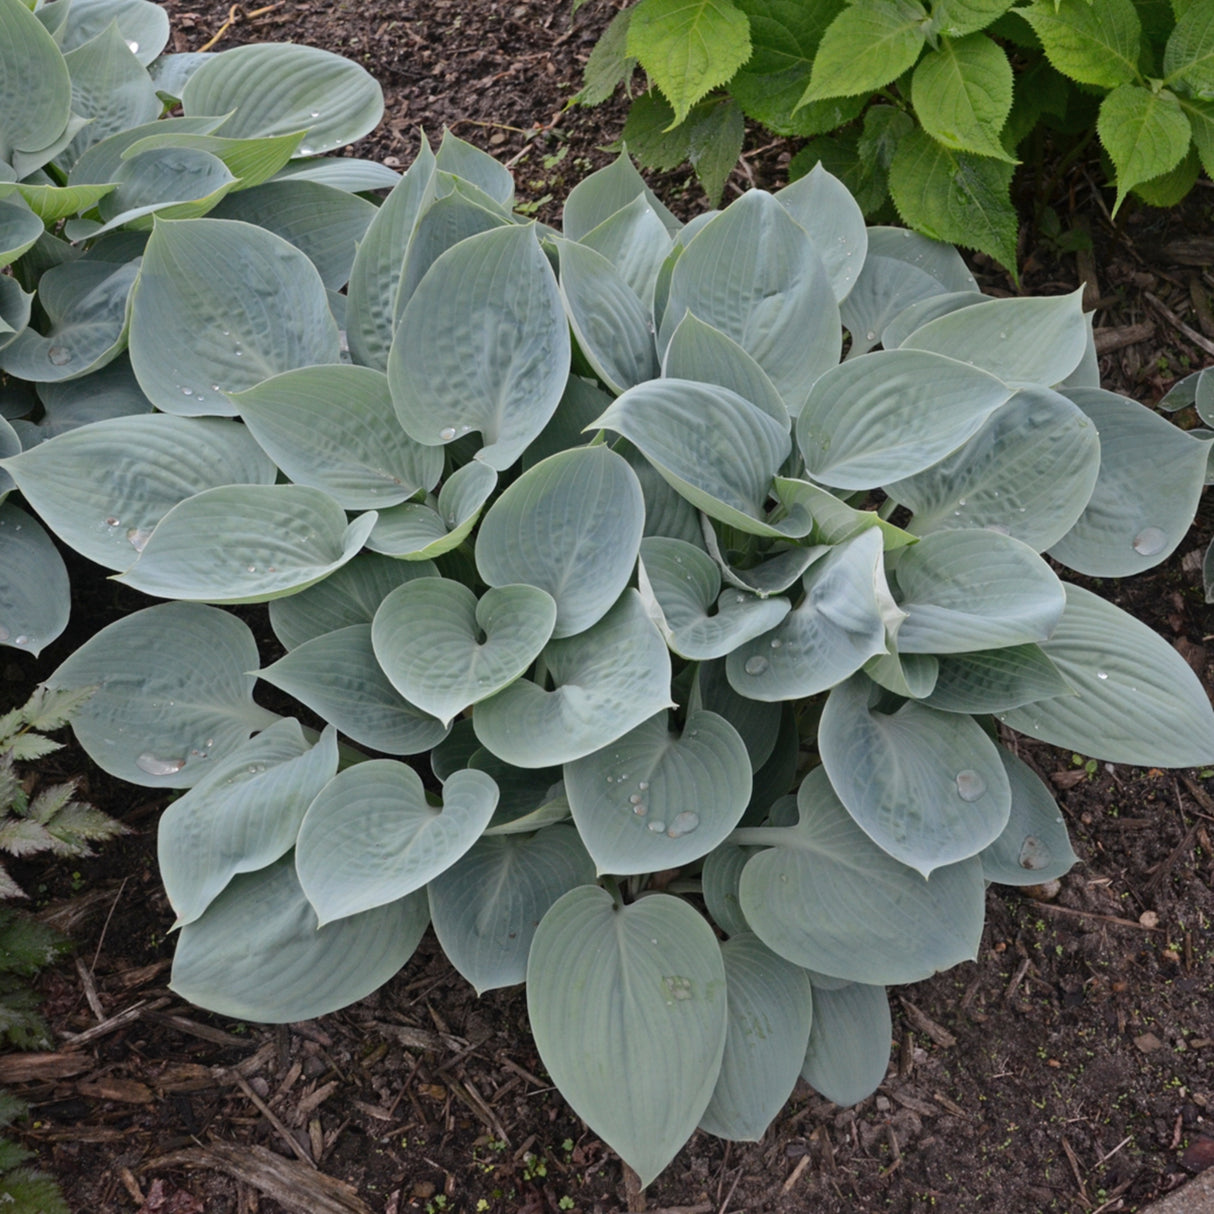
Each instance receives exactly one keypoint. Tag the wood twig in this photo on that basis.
(268, 1113)
(1079, 914)
(1198, 339)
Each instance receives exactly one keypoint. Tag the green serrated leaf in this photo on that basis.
(962, 94)
(868, 45)
(1189, 56)
(688, 47)
(1091, 43)
(1145, 134)
(609, 64)
(954, 196)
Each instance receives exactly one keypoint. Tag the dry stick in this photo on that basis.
(273, 1118)
(105, 927)
(1078, 914)
(135, 1012)
(1198, 339)
(90, 990)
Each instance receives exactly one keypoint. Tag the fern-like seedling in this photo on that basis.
(49, 819)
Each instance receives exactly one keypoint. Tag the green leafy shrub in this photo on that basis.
(88, 159)
(927, 102)
(690, 628)
(24, 1190)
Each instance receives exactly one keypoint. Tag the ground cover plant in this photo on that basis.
(630, 554)
(930, 104)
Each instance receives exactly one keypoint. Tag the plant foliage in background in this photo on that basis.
(24, 1190)
(668, 651)
(929, 102)
(88, 159)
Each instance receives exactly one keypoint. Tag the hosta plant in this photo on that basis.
(662, 658)
(929, 102)
(88, 159)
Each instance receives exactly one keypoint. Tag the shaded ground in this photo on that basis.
(1071, 1068)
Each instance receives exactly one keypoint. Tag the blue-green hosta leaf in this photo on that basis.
(841, 622)
(87, 305)
(35, 596)
(174, 693)
(336, 675)
(757, 722)
(605, 681)
(1028, 473)
(242, 815)
(334, 428)
(911, 676)
(15, 310)
(111, 392)
(581, 403)
(890, 414)
(52, 202)
(349, 595)
(1034, 846)
(35, 87)
(1022, 341)
(528, 798)
(636, 242)
(720, 876)
(973, 590)
(349, 173)
(849, 1042)
(927, 787)
(824, 207)
(827, 898)
(667, 512)
(754, 273)
(254, 160)
(632, 991)
(699, 352)
(103, 487)
(144, 26)
(375, 275)
(934, 257)
(10, 444)
(465, 160)
(770, 1009)
(416, 532)
(170, 72)
(610, 323)
(110, 87)
(653, 799)
(258, 952)
(681, 586)
(570, 525)
(1136, 701)
(208, 316)
(487, 905)
(774, 574)
(483, 344)
(714, 448)
(20, 230)
(605, 193)
(246, 544)
(919, 314)
(276, 88)
(324, 223)
(443, 650)
(453, 211)
(1145, 497)
(104, 159)
(995, 680)
(370, 837)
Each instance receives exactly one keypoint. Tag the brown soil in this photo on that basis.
(1071, 1068)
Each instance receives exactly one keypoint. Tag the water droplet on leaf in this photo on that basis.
(970, 785)
(447, 433)
(683, 824)
(1150, 541)
(1033, 854)
(159, 767)
(755, 665)
(139, 537)
(59, 355)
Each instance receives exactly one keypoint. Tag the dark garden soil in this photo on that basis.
(1071, 1068)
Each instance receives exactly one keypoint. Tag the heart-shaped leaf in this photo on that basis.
(636, 991)
(258, 952)
(826, 897)
(482, 344)
(849, 1042)
(571, 526)
(443, 649)
(606, 681)
(416, 532)
(35, 596)
(654, 799)
(825, 208)
(370, 837)
(35, 86)
(927, 787)
(174, 693)
(487, 905)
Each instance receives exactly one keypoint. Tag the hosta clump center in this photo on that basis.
(686, 650)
